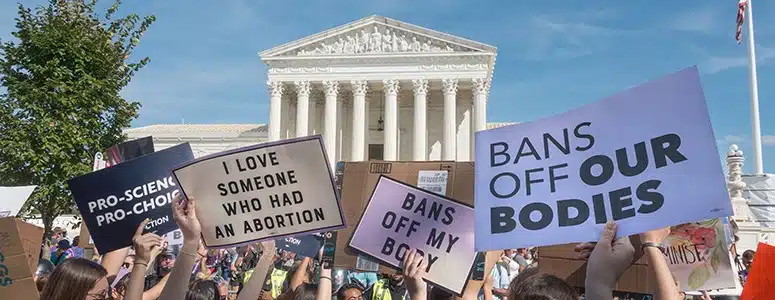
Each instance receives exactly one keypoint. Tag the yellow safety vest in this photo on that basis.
(247, 276)
(277, 279)
(380, 291)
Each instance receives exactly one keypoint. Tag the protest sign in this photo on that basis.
(128, 150)
(303, 245)
(400, 217)
(12, 198)
(19, 251)
(115, 200)
(697, 255)
(645, 158)
(265, 191)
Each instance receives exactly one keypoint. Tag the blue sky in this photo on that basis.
(552, 55)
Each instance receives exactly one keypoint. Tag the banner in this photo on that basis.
(261, 192)
(400, 217)
(698, 256)
(645, 158)
(115, 200)
(128, 150)
(304, 245)
(12, 198)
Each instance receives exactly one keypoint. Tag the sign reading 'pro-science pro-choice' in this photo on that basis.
(115, 200)
(260, 192)
(400, 217)
(645, 158)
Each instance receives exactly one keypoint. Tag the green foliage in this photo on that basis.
(63, 75)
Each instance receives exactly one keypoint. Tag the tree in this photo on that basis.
(63, 77)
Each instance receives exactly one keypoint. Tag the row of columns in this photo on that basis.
(333, 111)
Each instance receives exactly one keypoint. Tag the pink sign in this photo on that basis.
(400, 217)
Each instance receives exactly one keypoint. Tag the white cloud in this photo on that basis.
(767, 140)
(716, 64)
(702, 20)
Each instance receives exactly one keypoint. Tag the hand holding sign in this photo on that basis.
(610, 258)
(185, 216)
(145, 244)
(414, 273)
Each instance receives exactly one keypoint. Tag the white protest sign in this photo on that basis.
(400, 217)
(261, 192)
(434, 181)
(12, 199)
(645, 158)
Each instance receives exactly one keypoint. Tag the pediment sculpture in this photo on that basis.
(379, 39)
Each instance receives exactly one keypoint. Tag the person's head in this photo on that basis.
(129, 262)
(306, 291)
(748, 256)
(522, 251)
(509, 253)
(203, 290)
(164, 263)
(77, 278)
(63, 245)
(57, 234)
(76, 240)
(349, 292)
(540, 286)
(396, 279)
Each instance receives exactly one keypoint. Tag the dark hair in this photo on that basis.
(345, 287)
(73, 279)
(527, 272)
(203, 290)
(440, 294)
(76, 241)
(121, 285)
(307, 291)
(40, 283)
(540, 286)
(749, 254)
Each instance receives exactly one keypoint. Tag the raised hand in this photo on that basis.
(414, 272)
(610, 258)
(185, 217)
(655, 236)
(145, 245)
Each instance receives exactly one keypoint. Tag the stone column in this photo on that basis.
(391, 119)
(449, 87)
(736, 185)
(302, 108)
(420, 118)
(275, 109)
(340, 125)
(359, 120)
(480, 89)
(329, 128)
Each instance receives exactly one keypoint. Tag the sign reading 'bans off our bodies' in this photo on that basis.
(115, 200)
(260, 192)
(645, 158)
(400, 217)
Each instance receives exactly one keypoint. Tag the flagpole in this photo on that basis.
(755, 126)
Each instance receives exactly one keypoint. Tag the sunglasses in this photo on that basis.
(104, 295)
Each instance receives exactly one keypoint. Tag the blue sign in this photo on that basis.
(306, 245)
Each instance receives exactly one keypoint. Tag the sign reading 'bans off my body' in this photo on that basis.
(400, 217)
(261, 192)
(645, 158)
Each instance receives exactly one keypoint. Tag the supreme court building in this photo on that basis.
(376, 88)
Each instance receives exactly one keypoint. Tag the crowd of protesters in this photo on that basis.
(151, 269)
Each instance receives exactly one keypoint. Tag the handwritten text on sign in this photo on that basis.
(645, 158)
(264, 191)
(400, 217)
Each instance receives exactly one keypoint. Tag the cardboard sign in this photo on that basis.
(433, 181)
(12, 198)
(628, 158)
(115, 200)
(19, 251)
(305, 245)
(400, 217)
(698, 257)
(329, 249)
(260, 192)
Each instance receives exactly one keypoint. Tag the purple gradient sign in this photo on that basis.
(400, 217)
(645, 158)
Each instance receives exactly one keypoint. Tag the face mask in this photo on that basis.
(165, 270)
(528, 256)
(513, 255)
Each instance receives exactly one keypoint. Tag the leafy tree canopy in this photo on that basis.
(62, 75)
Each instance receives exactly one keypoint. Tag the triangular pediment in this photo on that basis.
(376, 35)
